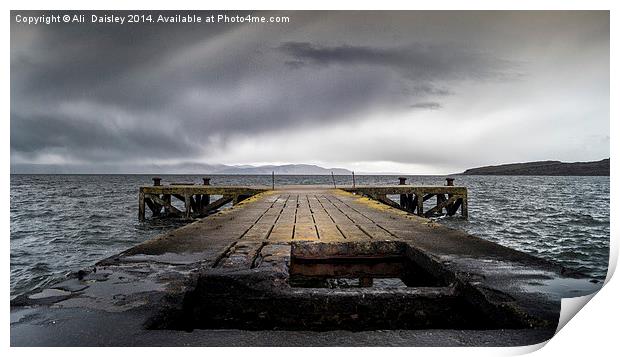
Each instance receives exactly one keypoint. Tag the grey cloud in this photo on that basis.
(249, 91)
(418, 60)
(178, 91)
(92, 141)
(426, 105)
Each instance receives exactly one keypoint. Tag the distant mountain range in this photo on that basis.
(546, 168)
(181, 168)
(549, 168)
(291, 169)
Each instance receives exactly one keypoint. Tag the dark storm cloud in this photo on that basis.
(109, 63)
(426, 105)
(419, 61)
(90, 141)
(116, 93)
(177, 94)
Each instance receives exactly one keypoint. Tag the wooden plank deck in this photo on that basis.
(282, 216)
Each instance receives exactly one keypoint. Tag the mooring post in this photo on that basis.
(273, 180)
(333, 179)
(449, 181)
(353, 172)
(156, 181)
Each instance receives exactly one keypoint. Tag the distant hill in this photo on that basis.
(179, 168)
(291, 169)
(545, 168)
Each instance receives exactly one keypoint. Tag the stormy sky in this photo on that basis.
(413, 92)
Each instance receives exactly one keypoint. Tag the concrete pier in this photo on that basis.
(304, 266)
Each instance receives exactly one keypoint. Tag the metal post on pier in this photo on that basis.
(273, 180)
(333, 179)
(353, 172)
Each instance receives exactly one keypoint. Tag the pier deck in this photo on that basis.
(304, 258)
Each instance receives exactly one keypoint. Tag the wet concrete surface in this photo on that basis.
(88, 328)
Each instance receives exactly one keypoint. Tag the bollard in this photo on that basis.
(402, 180)
(206, 181)
(449, 181)
(156, 181)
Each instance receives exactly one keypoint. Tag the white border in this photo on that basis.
(592, 331)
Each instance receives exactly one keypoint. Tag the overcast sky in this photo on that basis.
(412, 92)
